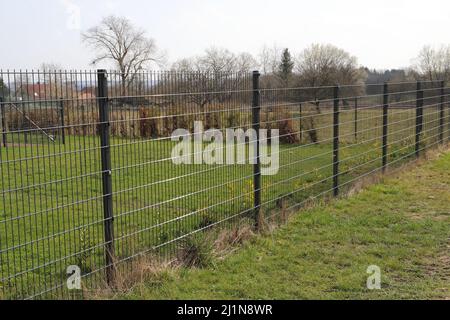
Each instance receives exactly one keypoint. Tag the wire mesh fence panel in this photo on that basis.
(304, 125)
(51, 211)
(165, 189)
(98, 169)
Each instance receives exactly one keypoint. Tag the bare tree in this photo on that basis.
(269, 62)
(433, 63)
(50, 74)
(185, 65)
(195, 81)
(49, 67)
(245, 62)
(217, 61)
(269, 59)
(321, 66)
(326, 65)
(215, 71)
(116, 39)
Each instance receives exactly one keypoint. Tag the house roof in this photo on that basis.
(37, 91)
(87, 93)
(45, 91)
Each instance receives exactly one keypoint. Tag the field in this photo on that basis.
(401, 225)
(51, 213)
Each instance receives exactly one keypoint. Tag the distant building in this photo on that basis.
(38, 91)
(87, 93)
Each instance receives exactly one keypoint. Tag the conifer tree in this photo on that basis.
(286, 65)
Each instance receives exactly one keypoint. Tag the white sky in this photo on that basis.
(381, 33)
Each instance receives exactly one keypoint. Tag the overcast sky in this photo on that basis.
(382, 34)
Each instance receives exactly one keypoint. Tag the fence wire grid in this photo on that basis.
(88, 179)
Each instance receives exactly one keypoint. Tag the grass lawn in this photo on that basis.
(401, 225)
(51, 206)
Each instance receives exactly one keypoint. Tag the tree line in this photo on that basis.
(116, 39)
(130, 49)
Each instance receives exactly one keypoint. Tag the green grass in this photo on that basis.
(402, 226)
(51, 211)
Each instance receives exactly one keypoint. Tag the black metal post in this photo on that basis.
(3, 114)
(300, 123)
(83, 120)
(448, 113)
(419, 116)
(385, 124)
(336, 141)
(61, 114)
(24, 121)
(441, 113)
(356, 119)
(256, 120)
(104, 127)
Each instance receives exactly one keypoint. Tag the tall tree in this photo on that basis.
(217, 70)
(325, 65)
(268, 59)
(117, 40)
(286, 66)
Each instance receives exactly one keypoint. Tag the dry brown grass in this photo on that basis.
(229, 239)
(152, 271)
(16, 120)
(146, 269)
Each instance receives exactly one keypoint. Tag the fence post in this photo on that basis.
(448, 112)
(3, 114)
(385, 125)
(104, 127)
(419, 116)
(441, 113)
(336, 141)
(61, 114)
(83, 120)
(256, 121)
(24, 121)
(356, 119)
(300, 123)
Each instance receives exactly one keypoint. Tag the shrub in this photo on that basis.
(287, 132)
(86, 252)
(197, 252)
(148, 127)
(311, 130)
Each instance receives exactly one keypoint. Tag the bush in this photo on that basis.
(44, 118)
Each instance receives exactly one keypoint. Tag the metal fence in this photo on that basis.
(88, 177)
